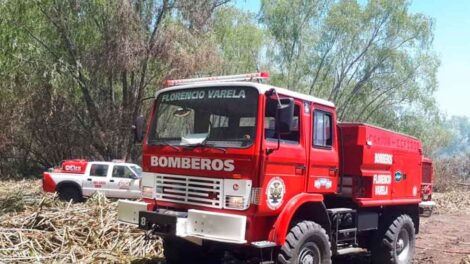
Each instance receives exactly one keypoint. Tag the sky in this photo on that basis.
(451, 44)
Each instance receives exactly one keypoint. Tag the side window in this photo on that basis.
(270, 124)
(137, 170)
(99, 170)
(322, 130)
(122, 172)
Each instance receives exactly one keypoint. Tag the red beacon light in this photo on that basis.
(264, 74)
(223, 78)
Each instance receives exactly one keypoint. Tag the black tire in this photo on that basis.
(396, 244)
(67, 193)
(177, 250)
(307, 242)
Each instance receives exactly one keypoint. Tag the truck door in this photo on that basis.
(323, 170)
(124, 182)
(96, 179)
(285, 168)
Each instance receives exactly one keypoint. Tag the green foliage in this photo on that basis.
(374, 60)
(74, 72)
(239, 40)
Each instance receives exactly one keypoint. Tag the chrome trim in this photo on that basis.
(201, 191)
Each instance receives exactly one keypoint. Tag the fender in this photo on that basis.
(282, 224)
(48, 184)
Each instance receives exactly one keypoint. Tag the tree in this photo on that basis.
(374, 60)
(239, 40)
(77, 71)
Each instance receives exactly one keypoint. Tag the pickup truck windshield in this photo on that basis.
(216, 116)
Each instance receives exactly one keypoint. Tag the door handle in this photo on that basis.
(332, 171)
(111, 180)
(89, 179)
(299, 169)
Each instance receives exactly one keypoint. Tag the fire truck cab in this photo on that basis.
(231, 164)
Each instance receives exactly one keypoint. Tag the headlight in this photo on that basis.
(237, 194)
(234, 202)
(147, 192)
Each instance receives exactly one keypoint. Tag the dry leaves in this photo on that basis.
(39, 228)
(455, 201)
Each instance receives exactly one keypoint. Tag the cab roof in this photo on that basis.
(262, 88)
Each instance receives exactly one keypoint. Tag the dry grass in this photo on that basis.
(36, 227)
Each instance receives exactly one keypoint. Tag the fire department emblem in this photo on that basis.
(275, 193)
(398, 176)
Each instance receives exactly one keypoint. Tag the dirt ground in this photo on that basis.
(444, 239)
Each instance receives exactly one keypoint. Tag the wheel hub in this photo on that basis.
(307, 259)
(400, 245)
(310, 254)
(403, 245)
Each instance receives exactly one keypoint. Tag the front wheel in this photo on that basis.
(306, 243)
(397, 245)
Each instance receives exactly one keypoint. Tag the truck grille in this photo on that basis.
(189, 190)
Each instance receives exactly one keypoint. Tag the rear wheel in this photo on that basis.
(70, 193)
(306, 243)
(397, 243)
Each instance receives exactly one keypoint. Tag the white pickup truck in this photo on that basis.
(76, 179)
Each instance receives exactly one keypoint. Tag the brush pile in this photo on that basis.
(36, 227)
(465, 260)
(455, 201)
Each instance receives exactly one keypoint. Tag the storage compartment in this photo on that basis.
(77, 166)
(378, 164)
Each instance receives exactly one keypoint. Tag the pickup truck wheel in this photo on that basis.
(177, 250)
(67, 193)
(306, 243)
(397, 245)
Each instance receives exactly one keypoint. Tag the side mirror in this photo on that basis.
(138, 128)
(285, 115)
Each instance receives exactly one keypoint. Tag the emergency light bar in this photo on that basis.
(226, 78)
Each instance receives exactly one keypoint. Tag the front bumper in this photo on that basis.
(195, 224)
(427, 205)
(426, 208)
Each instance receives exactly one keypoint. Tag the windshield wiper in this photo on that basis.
(204, 145)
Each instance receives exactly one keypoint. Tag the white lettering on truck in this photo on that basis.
(192, 163)
(73, 168)
(201, 94)
(383, 158)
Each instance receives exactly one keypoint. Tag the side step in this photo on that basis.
(350, 250)
(343, 228)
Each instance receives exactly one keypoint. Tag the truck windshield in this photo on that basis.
(215, 116)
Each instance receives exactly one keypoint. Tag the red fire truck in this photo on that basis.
(267, 174)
